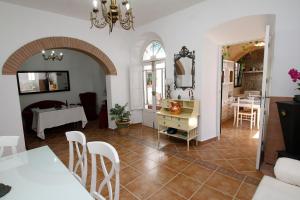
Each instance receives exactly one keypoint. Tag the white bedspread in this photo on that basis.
(49, 118)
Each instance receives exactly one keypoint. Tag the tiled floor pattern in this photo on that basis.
(222, 169)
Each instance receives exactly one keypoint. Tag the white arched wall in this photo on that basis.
(136, 67)
(232, 32)
(190, 27)
(45, 24)
(207, 82)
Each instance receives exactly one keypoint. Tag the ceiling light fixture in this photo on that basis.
(52, 56)
(111, 14)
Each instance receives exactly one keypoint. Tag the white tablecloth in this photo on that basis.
(49, 118)
(38, 174)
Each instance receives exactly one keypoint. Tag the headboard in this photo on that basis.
(27, 114)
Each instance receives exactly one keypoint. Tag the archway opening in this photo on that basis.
(19, 57)
(15, 61)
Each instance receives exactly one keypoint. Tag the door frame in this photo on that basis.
(265, 102)
(219, 81)
(152, 111)
(266, 79)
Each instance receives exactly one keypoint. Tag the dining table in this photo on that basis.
(38, 174)
(246, 104)
(52, 117)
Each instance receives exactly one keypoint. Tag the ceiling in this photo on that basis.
(144, 11)
(237, 51)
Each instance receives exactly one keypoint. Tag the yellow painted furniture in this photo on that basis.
(186, 122)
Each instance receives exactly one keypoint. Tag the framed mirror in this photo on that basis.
(184, 69)
(33, 82)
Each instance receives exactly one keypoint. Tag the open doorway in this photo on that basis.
(242, 30)
(241, 83)
(52, 104)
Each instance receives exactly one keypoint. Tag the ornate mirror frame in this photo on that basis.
(184, 52)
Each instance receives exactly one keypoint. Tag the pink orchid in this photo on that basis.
(294, 74)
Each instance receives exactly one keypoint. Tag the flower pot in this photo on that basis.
(297, 98)
(122, 124)
(123, 127)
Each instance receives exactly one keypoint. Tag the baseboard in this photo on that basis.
(209, 140)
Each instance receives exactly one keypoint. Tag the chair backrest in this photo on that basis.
(246, 103)
(9, 141)
(75, 138)
(106, 150)
(249, 93)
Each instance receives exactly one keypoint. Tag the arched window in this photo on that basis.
(154, 72)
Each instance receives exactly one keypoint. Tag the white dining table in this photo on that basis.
(256, 107)
(38, 174)
(49, 118)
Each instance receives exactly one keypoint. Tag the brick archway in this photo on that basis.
(15, 61)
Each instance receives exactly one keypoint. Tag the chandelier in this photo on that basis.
(110, 14)
(52, 56)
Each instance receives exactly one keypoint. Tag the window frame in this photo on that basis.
(153, 61)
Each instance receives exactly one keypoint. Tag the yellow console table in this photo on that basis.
(186, 122)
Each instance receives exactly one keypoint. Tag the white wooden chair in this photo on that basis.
(252, 93)
(77, 137)
(104, 149)
(246, 112)
(9, 141)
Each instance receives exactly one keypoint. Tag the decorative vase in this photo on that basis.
(297, 98)
(175, 108)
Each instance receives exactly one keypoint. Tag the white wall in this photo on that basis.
(190, 27)
(85, 75)
(187, 27)
(10, 113)
(26, 25)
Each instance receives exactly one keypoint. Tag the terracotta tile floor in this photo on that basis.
(222, 169)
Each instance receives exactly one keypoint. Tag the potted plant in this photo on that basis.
(120, 115)
(295, 76)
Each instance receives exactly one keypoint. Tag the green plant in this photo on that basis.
(225, 52)
(119, 113)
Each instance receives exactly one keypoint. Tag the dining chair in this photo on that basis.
(104, 150)
(76, 138)
(252, 93)
(232, 100)
(9, 141)
(245, 112)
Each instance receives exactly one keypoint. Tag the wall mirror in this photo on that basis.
(184, 69)
(32, 82)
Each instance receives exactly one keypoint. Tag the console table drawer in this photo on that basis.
(183, 124)
(163, 117)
